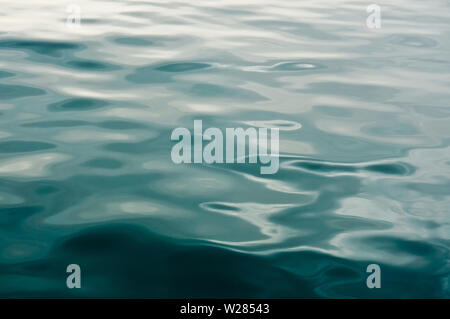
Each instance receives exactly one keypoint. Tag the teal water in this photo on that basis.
(85, 170)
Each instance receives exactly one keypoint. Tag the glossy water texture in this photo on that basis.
(86, 175)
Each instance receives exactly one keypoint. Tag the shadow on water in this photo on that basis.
(121, 260)
(128, 261)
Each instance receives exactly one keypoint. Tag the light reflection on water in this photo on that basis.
(85, 170)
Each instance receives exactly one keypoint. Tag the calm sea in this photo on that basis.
(86, 176)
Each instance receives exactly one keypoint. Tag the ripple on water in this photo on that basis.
(197, 184)
(31, 165)
(416, 254)
(5, 74)
(120, 125)
(56, 123)
(144, 147)
(96, 210)
(324, 167)
(91, 136)
(133, 41)
(182, 67)
(240, 275)
(296, 66)
(390, 128)
(366, 92)
(20, 146)
(282, 125)
(258, 215)
(148, 74)
(398, 168)
(413, 41)
(163, 73)
(49, 48)
(220, 207)
(91, 65)
(433, 111)
(10, 199)
(103, 162)
(112, 125)
(223, 92)
(77, 104)
(22, 251)
(9, 92)
(351, 106)
(333, 111)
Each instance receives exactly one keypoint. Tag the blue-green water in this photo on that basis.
(85, 170)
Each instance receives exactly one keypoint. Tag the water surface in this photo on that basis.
(86, 175)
